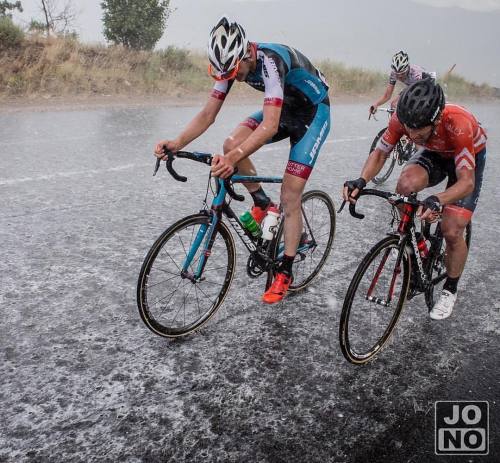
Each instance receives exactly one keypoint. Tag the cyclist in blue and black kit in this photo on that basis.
(296, 106)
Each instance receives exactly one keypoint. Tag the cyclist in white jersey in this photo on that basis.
(402, 71)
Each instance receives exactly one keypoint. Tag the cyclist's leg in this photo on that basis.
(307, 134)
(422, 170)
(306, 144)
(237, 137)
(456, 217)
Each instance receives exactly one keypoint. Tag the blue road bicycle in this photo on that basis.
(187, 273)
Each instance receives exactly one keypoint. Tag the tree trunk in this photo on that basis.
(45, 12)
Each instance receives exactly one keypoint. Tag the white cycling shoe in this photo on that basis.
(442, 309)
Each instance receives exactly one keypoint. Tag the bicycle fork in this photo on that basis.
(397, 270)
(205, 233)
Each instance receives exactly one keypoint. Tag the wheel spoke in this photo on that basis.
(176, 309)
(372, 306)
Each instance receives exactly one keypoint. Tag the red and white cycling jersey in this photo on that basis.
(415, 74)
(458, 135)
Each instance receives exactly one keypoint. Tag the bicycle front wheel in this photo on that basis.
(386, 171)
(374, 300)
(318, 231)
(173, 303)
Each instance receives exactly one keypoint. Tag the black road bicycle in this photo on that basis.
(188, 271)
(405, 263)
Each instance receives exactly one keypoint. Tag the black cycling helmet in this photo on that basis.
(420, 104)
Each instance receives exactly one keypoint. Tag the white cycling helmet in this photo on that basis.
(227, 45)
(400, 62)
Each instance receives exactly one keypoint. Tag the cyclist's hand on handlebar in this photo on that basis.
(352, 189)
(430, 211)
(221, 166)
(372, 110)
(161, 146)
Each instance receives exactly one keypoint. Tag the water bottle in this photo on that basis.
(422, 246)
(270, 223)
(250, 224)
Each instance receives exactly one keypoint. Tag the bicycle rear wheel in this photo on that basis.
(374, 300)
(174, 304)
(318, 216)
(436, 265)
(386, 171)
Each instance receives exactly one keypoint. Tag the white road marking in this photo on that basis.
(91, 172)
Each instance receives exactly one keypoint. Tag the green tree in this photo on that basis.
(137, 24)
(6, 7)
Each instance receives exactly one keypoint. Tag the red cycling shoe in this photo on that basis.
(278, 289)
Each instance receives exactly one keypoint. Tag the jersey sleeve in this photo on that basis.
(392, 78)
(461, 134)
(391, 136)
(273, 75)
(221, 89)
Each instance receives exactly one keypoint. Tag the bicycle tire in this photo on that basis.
(304, 279)
(145, 308)
(346, 344)
(436, 264)
(385, 174)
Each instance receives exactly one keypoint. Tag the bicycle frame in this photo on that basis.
(406, 230)
(206, 232)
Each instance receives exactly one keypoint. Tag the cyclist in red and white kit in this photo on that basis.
(454, 146)
(402, 71)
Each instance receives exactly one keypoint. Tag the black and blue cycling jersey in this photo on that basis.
(289, 80)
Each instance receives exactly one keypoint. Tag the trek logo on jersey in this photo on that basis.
(317, 143)
(465, 160)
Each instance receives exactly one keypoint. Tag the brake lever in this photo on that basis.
(157, 166)
(170, 168)
(230, 190)
(341, 206)
(352, 211)
(372, 114)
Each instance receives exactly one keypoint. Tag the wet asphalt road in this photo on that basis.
(82, 379)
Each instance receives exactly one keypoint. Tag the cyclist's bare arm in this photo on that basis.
(463, 187)
(373, 165)
(386, 96)
(198, 125)
(260, 136)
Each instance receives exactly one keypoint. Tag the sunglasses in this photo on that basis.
(228, 75)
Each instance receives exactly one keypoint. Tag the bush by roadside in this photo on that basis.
(11, 36)
(36, 66)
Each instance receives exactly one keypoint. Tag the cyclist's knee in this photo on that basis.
(229, 144)
(453, 233)
(290, 201)
(407, 184)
